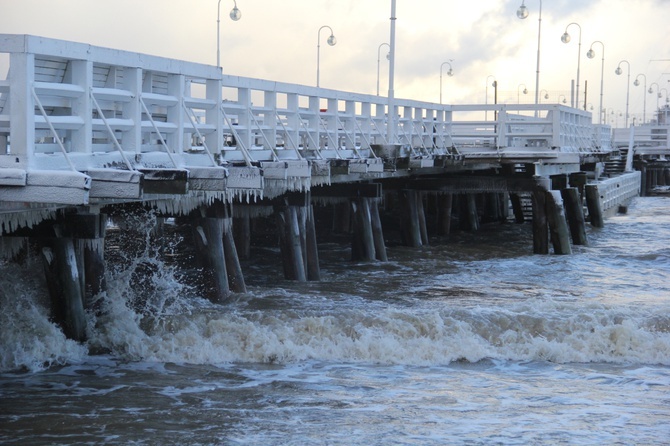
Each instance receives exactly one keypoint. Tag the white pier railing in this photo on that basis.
(79, 122)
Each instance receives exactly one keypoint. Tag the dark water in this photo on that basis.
(469, 341)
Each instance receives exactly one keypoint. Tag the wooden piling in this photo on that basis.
(558, 227)
(574, 213)
(593, 205)
(517, 208)
(208, 238)
(421, 215)
(471, 212)
(377, 231)
(242, 236)
(236, 281)
(363, 245)
(540, 226)
(444, 205)
(64, 283)
(313, 269)
(409, 219)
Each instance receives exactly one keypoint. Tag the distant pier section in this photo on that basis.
(88, 133)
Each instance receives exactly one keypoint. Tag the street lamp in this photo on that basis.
(518, 94)
(565, 101)
(546, 95)
(565, 38)
(387, 57)
(331, 41)
(637, 83)
(591, 54)
(235, 15)
(522, 13)
(618, 71)
(449, 73)
(486, 99)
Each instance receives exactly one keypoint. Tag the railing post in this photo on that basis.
(22, 105)
(270, 119)
(213, 116)
(132, 138)
(82, 75)
(177, 141)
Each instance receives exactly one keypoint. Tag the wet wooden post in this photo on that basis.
(242, 235)
(641, 165)
(409, 219)
(444, 205)
(65, 286)
(574, 212)
(558, 227)
(471, 212)
(207, 227)
(342, 218)
(421, 214)
(517, 208)
(540, 225)
(297, 237)
(312, 248)
(362, 245)
(578, 180)
(593, 205)
(236, 281)
(377, 230)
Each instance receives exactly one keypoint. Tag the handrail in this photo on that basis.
(193, 123)
(160, 136)
(317, 148)
(245, 151)
(273, 147)
(346, 134)
(111, 132)
(286, 132)
(53, 130)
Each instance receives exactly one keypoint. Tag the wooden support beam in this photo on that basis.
(574, 212)
(540, 226)
(312, 249)
(236, 281)
(471, 212)
(558, 227)
(377, 231)
(409, 219)
(362, 242)
(65, 286)
(517, 208)
(208, 238)
(593, 205)
(444, 205)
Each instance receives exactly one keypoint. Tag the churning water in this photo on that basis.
(469, 341)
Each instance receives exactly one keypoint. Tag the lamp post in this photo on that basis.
(565, 38)
(522, 13)
(331, 41)
(378, 57)
(591, 54)
(486, 99)
(518, 94)
(449, 73)
(637, 83)
(390, 125)
(235, 15)
(564, 98)
(618, 71)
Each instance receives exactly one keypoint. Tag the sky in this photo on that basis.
(480, 39)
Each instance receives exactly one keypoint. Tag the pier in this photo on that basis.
(90, 134)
